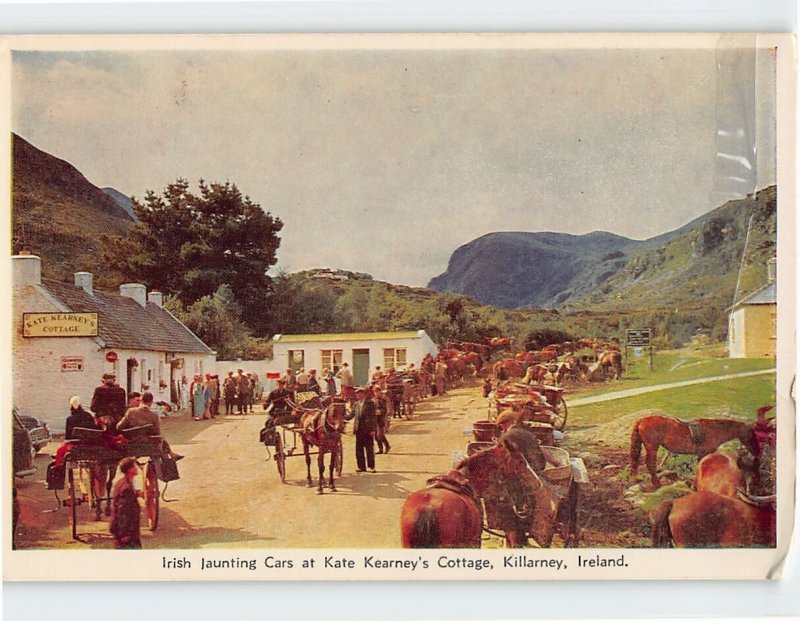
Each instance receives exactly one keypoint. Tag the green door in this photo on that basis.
(361, 366)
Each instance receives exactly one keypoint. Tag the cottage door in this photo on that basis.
(361, 366)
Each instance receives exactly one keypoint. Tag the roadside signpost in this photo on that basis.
(639, 338)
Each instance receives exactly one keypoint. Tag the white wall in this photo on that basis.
(42, 389)
(736, 335)
(416, 348)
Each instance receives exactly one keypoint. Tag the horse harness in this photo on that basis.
(696, 430)
(456, 481)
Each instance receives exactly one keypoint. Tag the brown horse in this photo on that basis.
(709, 520)
(676, 436)
(449, 516)
(323, 428)
(507, 368)
(722, 473)
(611, 364)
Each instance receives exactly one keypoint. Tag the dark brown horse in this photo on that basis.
(507, 368)
(449, 516)
(709, 520)
(676, 436)
(323, 428)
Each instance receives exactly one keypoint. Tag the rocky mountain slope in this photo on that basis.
(59, 215)
(605, 271)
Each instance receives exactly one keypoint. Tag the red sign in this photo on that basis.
(72, 363)
(273, 375)
(111, 356)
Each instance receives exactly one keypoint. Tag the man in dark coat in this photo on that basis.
(108, 401)
(364, 428)
(229, 391)
(277, 402)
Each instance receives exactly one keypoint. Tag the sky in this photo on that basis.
(386, 160)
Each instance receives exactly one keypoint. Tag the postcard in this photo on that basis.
(399, 307)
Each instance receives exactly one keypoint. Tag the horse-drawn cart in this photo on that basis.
(316, 422)
(555, 505)
(547, 402)
(90, 468)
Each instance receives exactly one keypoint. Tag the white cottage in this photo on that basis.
(361, 350)
(67, 335)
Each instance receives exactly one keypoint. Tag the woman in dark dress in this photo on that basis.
(125, 511)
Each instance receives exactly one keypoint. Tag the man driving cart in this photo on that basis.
(278, 406)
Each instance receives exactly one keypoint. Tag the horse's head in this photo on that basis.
(335, 415)
(506, 474)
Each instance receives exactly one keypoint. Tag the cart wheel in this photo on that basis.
(339, 459)
(561, 415)
(280, 458)
(73, 503)
(151, 496)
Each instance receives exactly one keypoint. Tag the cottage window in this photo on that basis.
(394, 357)
(331, 359)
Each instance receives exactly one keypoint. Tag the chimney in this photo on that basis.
(84, 281)
(156, 297)
(27, 270)
(134, 291)
(772, 265)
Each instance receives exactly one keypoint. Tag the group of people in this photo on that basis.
(112, 411)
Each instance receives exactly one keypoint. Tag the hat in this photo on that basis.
(108, 376)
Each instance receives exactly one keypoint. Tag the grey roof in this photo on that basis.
(124, 323)
(765, 295)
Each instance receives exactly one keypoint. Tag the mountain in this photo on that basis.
(604, 271)
(122, 200)
(59, 215)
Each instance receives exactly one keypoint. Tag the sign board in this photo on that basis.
(59, 324)
(638, 337)
(71, 363)
(111, 356)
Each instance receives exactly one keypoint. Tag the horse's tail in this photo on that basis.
(662, 535)
(426, 529)
(636, 448)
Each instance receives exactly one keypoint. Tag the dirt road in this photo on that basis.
(230, 496)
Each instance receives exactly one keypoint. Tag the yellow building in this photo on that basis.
(752, 329)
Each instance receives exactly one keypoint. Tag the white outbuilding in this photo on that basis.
(361, 350)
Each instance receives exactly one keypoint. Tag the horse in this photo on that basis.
(448, 514)
(723, 473)
(323, 428)
(611, 363)
(677, 437)
(507, 368)
(705, 520)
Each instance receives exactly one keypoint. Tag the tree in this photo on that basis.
(216, 319)
(187, 245)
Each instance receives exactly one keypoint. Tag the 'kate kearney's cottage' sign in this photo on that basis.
(59, 324)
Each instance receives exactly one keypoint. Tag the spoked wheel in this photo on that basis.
(280, 458)
(561, 415)
(152, 496)
(339, 457)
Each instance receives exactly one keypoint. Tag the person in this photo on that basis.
(394, 393)
(291, 380)
(302, 380)
(313, 384)
(229, 392)
(347, 383)
(440, 377)
(125, 511)
(279, 407)
(108, 401)
(78, 417)
(198, 398)
(377, 376)
(381, 420)
(143, 414)
(364, 425)
(213, 385)
(242, 392)
(330, 381)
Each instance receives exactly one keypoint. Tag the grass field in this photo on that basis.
(739, 398)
